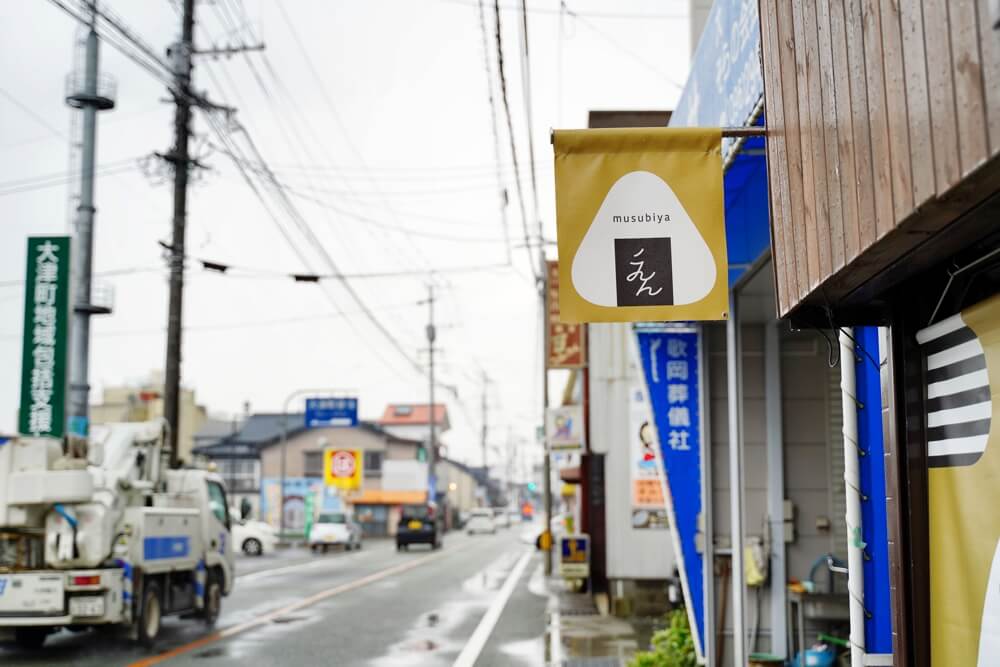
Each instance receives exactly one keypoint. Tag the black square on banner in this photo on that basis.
(644, 272)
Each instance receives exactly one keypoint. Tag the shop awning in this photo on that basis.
(381, 497)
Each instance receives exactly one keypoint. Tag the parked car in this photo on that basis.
(420, 524)
(335, 529)
(501, 518)
(481, 521)
(254, 538)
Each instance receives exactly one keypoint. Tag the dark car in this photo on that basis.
(420, 524)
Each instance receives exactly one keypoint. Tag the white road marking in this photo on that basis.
(472, 649)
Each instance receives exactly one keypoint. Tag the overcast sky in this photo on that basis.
(383, 139)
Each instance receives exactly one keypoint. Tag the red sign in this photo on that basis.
(566, 346)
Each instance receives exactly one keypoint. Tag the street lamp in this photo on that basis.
(284, 447)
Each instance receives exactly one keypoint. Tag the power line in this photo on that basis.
(325, 94)
(494, 129)
(513, 142)
(30, 112)
(621, 47)
(63, 179)
(595, 15)
(526, 84)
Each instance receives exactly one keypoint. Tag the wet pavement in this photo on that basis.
(375, 607)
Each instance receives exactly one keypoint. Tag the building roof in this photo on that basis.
(414, 414)
(262, 430)
(214, 429)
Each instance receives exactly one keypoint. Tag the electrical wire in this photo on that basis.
(513, 141)
(526, 84)
(595, 15)
(494, 130)
(618, 45)
(34, 116)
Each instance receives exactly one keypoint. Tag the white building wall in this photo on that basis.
(631, 553)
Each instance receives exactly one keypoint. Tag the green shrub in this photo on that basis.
(673, 646)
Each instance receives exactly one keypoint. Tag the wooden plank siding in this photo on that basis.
(777, 174)
(883, 128)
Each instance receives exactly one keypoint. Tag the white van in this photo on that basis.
(481, 521)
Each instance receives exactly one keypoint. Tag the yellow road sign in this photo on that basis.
(343, 468)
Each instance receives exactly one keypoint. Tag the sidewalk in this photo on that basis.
(546, 625)
(581, 635)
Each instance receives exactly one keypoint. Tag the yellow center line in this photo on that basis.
(234, 630)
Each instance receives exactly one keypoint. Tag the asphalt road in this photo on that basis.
(476, 600)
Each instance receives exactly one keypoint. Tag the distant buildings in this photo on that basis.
(143, 401)
(249, 458)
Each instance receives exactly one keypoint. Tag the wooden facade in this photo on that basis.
(883, 130)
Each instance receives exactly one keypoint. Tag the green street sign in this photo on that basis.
(46, 335)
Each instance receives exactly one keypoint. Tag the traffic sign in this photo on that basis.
(574, 556)
(343, 468)
(331, 412)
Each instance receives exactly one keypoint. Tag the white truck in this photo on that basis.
(101, 532)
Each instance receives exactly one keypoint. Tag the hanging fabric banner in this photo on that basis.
(671, 364)
(962, 356)
(640, 224)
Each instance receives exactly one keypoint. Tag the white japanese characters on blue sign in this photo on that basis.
(331, 412)
(670, 363)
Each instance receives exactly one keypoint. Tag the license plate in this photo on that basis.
(31, 593)
(92, 605)
(415, 525)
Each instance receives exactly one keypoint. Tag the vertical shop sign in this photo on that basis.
(566, 342)
(46, 332)
(671, 367)
(962, 356)
(648, 504)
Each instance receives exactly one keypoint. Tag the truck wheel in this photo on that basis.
(30, 638)
(213, 599)
(150, 614)
(252, 547)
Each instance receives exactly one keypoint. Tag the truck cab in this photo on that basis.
(107, 534)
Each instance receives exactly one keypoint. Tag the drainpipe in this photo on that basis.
(855, 547)
(775, 486)
(734, 372)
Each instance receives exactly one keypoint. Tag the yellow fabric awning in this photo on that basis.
(381, 497)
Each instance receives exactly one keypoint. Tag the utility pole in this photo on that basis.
(85, 93)
(182, 62)
(543, 287)
(485, 431)
(432, 442)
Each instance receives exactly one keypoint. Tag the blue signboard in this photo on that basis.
(725, 82)
(331, 412)
(670, 363)
(723, 89)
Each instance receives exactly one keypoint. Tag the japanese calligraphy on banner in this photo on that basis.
(962, 356)
(640, 223)
(649, 509)
(46, 331)
(566, 342)
(672, 372)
